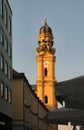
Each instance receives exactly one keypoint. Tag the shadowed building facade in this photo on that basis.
(5, 65)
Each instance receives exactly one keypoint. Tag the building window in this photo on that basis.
(46, 99)
(6, 44)
(10, 96)
(1, 36)
(9, 25)
(2, 89)
(6, 93)
(9, 51)
(5, 16)
(6, 68)
(1, 7)
(2, 62)
(45, 72)
(10, 73)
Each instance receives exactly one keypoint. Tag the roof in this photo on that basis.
(45, 29)
(17, 74)
(72, 93)
(33, 86)
(64, 115)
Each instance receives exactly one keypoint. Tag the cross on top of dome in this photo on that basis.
(44, 21)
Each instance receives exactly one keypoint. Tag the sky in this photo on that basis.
(66, 19)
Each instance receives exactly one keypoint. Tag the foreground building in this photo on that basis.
(5, 65)
(28, 110)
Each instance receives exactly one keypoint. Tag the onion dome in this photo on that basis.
(45, 33)
(45, 29)
(45, 40)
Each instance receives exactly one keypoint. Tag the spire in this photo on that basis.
(45, 21)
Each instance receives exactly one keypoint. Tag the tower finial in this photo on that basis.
(45, 21)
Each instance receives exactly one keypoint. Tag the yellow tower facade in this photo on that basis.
(45, 59)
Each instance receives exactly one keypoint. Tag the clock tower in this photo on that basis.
(45, 58)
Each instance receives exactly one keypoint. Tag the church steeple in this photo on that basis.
(45, 39)
(46, 67)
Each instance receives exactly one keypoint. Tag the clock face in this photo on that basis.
(45, 63)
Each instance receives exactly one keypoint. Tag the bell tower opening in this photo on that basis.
(46, 99)
(45, 72)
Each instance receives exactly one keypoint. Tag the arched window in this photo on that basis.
(45, 72)
(46, 99)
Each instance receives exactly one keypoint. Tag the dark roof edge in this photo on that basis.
(75, 78)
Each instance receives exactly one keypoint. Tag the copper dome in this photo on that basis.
(45, 29)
